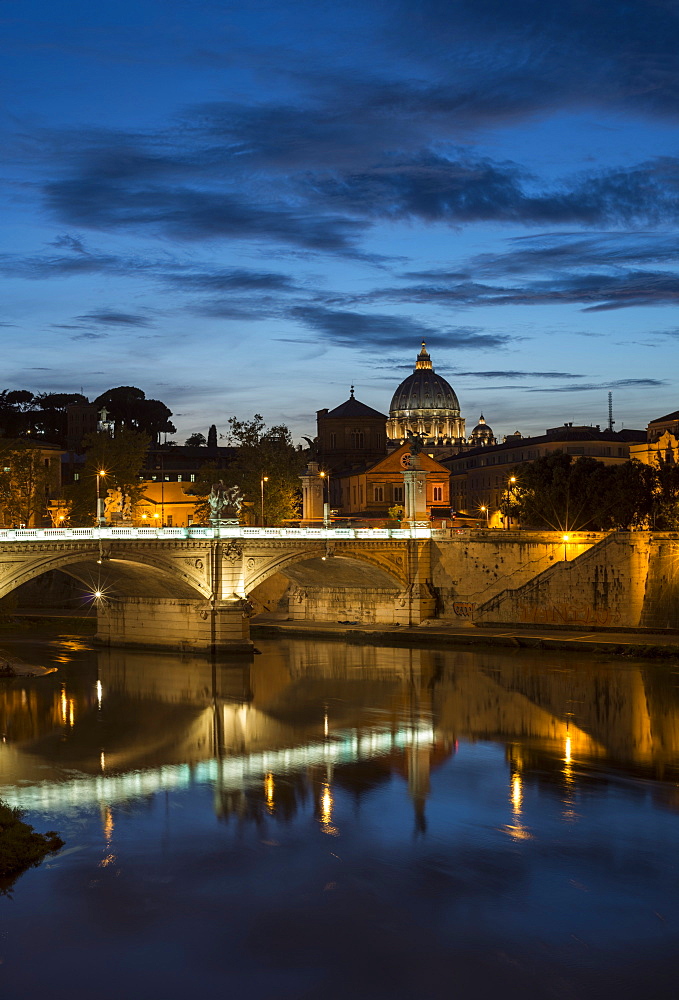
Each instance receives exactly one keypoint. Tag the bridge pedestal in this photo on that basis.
(160, 623)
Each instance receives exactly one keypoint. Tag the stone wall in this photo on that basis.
(628, 580)
(472, 568)
(162, 623)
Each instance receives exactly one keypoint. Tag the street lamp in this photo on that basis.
(264, 479)
(510, 487)
(326, 506)
(101, 520)
(565, 543)
(486, 512)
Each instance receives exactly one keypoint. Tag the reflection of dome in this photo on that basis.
(425, 404)
(482, 434)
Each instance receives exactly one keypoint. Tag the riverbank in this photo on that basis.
(637, 643)
(629, 643)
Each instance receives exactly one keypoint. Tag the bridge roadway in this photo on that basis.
(188, 588)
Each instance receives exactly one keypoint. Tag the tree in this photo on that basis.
(629, 495)
(266, 452)
(121, 458)
(26, 482)
(16, 407)
(129, 407)
(207, 475)
(212, 436)
(195, 441)
(665, 502)
(50, 418)
(556, 493)
(262, 452)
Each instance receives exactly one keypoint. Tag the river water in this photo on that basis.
(331, 821)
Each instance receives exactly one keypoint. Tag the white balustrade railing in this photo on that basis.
(195, 532)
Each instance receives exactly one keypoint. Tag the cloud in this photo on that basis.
(376, 331)
(518, 374)
(650, 383)
(111, 317)
(595, 292)
(512, 60)
(229, 279)
(137, 199)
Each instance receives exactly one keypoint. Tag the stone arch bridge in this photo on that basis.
(189, 588)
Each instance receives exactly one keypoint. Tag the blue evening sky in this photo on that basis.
(248, 207)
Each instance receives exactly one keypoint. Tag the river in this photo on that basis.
(338, 821)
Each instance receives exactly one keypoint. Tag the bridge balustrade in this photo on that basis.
(197, 532)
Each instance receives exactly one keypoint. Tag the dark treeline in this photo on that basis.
(23, 413)
(557, 493)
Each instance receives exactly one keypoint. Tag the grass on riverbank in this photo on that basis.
(20, 846)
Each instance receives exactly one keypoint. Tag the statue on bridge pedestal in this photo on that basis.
(224, 504)
(118, 507)
(113, 506)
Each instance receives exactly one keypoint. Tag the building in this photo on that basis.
(352, 434)
(43, 505)
(368, 493)
(425, 404)
(182, 463)
(480, 476)
(662, 442)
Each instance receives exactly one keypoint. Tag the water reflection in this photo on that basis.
(270, 731)
(345, 821)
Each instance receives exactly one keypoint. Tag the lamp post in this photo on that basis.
(565, 543)
(486, 512)
(100, 503)
(510, 487)
(264, 479)
(326, 506)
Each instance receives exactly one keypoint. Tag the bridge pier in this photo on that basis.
(166, 623)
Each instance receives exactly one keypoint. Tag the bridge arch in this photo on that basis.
(328, 566)
(122, 572)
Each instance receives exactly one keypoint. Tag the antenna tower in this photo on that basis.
(611, 421)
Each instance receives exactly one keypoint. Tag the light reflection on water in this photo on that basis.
(342, 820)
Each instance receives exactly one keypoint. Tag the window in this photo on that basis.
(167, 479)
(153, 478)
(438, 493)
(179, 478)
(398, 494)
(192, 477)
(357, 439)
(76, 476)
(379, 493)
(333, 440)
(47, 463)
(169, 520)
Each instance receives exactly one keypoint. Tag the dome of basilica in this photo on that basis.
(482, 434)
(425, 404)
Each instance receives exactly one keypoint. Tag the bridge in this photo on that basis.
(194, 588)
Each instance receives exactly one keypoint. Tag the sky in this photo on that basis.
(249, 207)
